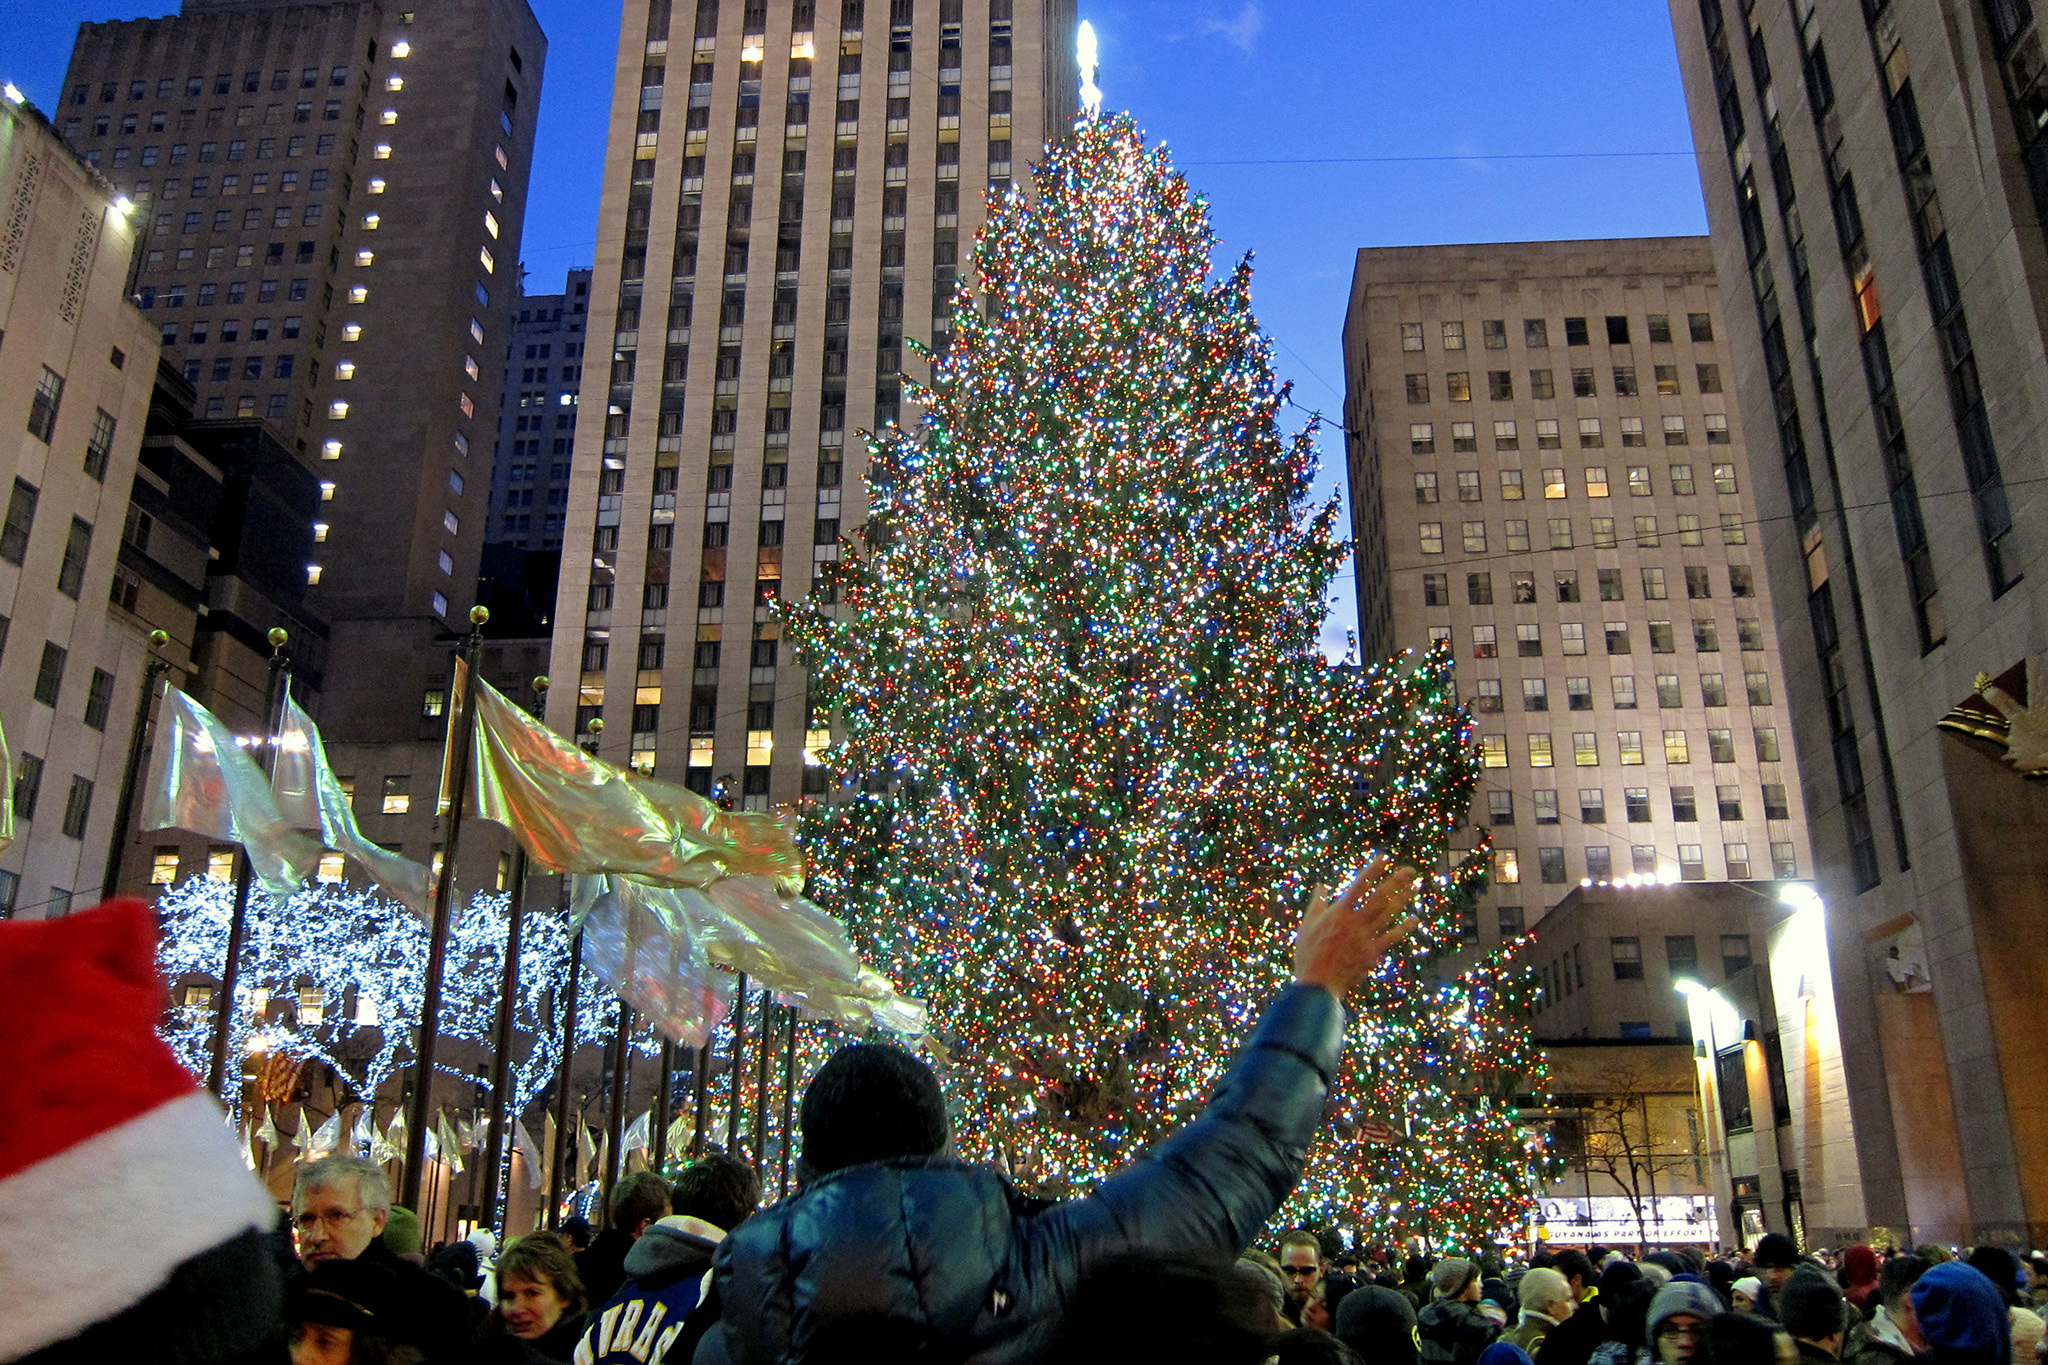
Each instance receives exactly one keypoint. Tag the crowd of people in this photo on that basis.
(890, 1250)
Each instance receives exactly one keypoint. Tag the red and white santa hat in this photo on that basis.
(115, 1168)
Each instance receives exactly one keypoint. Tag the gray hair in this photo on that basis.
(372, 1189)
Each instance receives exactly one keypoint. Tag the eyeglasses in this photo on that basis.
(330, 1220)
(1298, 1270)
(1673, 1332)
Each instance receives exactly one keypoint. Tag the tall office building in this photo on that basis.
(76, 375)
(536, 441)
(1547, 472)
(1875, 183)
(331, 198)
(791, 192)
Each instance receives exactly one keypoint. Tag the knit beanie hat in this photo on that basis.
(1617, 1276)
(1750, 1287)
(1775, 1249)
(1962, 1316)
(1448, 1278)
(1810, 1304)
(1681, 1296)
(119, 1179)
(1379, 1324)
(871, 1102)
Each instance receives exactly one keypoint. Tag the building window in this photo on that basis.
(50, 674)
(1585, 749)
(1713, 691)
(163, 865)
(1734, 953)
(1479, 589)
(1675, 747)
(1483, 643)
(28, 784)
(1599, 862)
(1487, 701)
(1592, 805)
(1464, 438)
(1507, 867)
(1550, 865)
(1500, 808)
(1454, 336)
(21, 515)
(1572, 637)
(77, 807)
(1535, 694)
(1510, 920)
(1435, 590)
(1784, 861)
(1630, 743)
(1431, 534)
(1418, 388)
(1624, 689)
(1539, 751)
(1541, 385)
(1617, 637)
(1474, 536)
(1545, 802)
(397, 794)
(42, 408)
(1493, 751)
(71, 569)
(1684, 809)
(1692, 864)
(99, 699)
(1421, 438)
(1728, 799)
(100, 445)
(1411, 336)
(1458, 386)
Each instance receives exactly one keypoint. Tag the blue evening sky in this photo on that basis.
(1314, 126)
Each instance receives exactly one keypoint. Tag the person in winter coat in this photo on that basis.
(1859, 1278)
(541, 1309)
(1679, 1314)
(1454, 1329)
(1547, 1302)
(1892, 1335)
(894, 1246)
(1574, 1340)
(637, 1200)
(653, 1319)
(1962, 1316)
(1379, 1324)
(1812, 1308)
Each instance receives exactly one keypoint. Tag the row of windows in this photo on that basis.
(1560, 534)
(1552, 482)
(1500, 384)
(1579, 693)
(1542, 751)
(28, 783)
(1493, 332)
(1644, 862)
(144, 191)
(223, 83)
(1549, 435)
(224, 220)
(1699, 585)
(1635, 807)
(175, 296)
(199, 332)
(1706, 636)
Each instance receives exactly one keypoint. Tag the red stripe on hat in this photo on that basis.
(80, 999)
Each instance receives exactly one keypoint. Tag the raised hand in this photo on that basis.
(1340, 941)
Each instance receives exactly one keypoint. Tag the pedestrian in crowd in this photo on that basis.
(637, 1200)
(339, 1207)
(1859, 1278)
(485, 1243)
(1573, 1341)
(401, 1235)
(892, 1239)
(1746, 1293)
(133, 1232)
(1774, 1259)
(1678, 1313)
(1891, 1336)
(1262, 1272)
(541, 1310)
(1415, 1280)
(1301, 1266)
(2002, 1268)
(1379, 1324)
(1812, 1308)
(1546, 1302)
(576, 1230)
(1624, 1305)
(1962, 1316)
(350, 1313)
(659, 1315)
(2037, 1282)
(1744, 1339)
(1934, 1253)
(1453, 1328)
(1320, 1312)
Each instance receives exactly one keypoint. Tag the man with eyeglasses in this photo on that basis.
(1301, 1262)
(340, 1205)
(1678, 1315)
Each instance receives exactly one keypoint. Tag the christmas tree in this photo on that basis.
(1092, 759)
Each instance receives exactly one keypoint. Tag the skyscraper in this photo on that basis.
(76, 372)
(536, 440)
(1546, 471)
(331, 199)
(719, 446)
(1875, 183)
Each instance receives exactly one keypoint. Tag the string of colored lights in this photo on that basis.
(1093, 760)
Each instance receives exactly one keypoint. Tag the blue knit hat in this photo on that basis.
(1962, 1315)
(1682, 1296)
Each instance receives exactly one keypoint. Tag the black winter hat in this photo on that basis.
(1775, 1249)
(869, 1103)
(1379, 1324)
(1810, 1305)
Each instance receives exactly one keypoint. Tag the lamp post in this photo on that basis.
(1700, 1001)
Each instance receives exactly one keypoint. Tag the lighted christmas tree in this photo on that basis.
(1092, 759)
